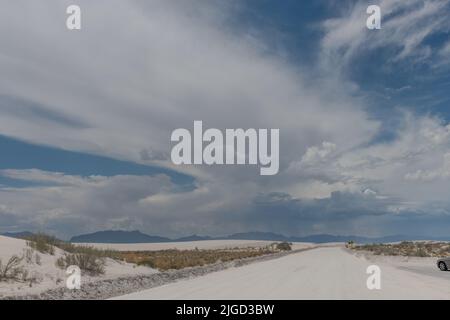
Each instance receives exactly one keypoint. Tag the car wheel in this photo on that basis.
(442, 266)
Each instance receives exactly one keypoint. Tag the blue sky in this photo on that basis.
(86, 116)
(22, 155)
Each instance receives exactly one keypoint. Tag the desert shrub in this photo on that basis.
(37, 259)
(350, 244)
(284, 246)
(12, 270)
(421, 252)
(89, 263)
(42, 243)
(46, 244)
(87, 258)
(88, 250)
(409, 248)
(28, 255)
(178, 259)
(61, 262)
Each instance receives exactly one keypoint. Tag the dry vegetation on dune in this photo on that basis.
(46, 244)
(88, 259)
(179, 259)
(407, 248)
(13, 270)
(92, 260)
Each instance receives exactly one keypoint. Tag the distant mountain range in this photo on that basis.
(18, 235)
(138, 237)
(324, 238)
(120, 236)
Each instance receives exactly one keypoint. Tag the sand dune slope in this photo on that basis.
(47, 275)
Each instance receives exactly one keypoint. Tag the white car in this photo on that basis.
(443, 263)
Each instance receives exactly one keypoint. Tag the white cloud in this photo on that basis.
(442, 172)
(416, 154)
(405, 26)
(130, 88)
(318, 153)
(89, 201)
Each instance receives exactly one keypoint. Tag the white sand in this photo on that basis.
(49, 276)
(190, 245)
(323, 273)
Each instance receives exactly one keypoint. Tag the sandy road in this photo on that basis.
(430, 270)
(322, 273)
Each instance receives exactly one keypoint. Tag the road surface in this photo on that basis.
(322, 273)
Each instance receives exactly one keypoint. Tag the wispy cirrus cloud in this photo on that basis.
(405, 29)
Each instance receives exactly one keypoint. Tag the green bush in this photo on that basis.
(350, 244)
(284, 246)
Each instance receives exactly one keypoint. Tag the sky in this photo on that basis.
(364, 116)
